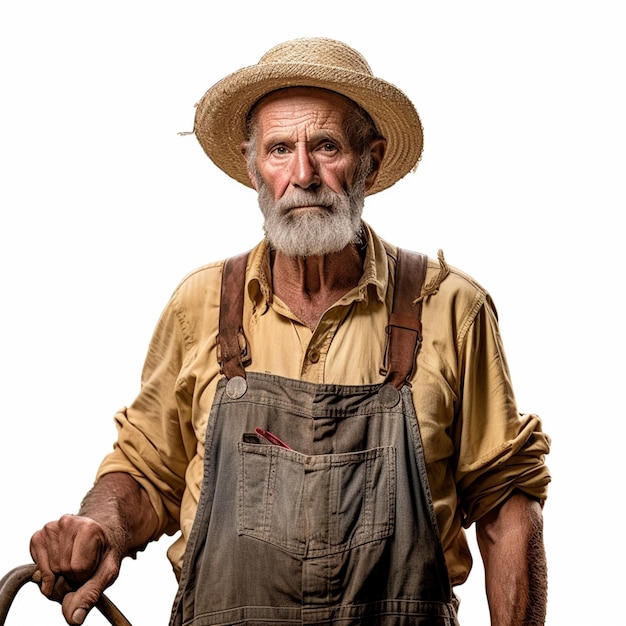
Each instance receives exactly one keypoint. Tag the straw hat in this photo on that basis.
(312, 62)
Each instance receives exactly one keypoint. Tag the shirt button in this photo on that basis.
(314, 355)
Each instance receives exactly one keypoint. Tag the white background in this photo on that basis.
(104, 208)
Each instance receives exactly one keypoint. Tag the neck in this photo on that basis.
(310, 285)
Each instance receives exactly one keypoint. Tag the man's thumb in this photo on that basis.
(77, 604)
(79, 615)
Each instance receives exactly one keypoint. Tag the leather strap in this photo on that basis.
(232, 346)
(404, 331)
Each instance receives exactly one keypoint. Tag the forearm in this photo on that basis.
(511, 544)
(123, 508)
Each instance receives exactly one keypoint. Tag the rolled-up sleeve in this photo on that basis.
(154, 445)
(500, 449)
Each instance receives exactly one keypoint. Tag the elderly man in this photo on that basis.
(321, 416)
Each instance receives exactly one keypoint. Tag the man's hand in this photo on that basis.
(79, 556)
(76, 562)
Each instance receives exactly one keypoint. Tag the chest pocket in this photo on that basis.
(315, 505)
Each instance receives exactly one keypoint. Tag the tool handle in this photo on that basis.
(14, 580)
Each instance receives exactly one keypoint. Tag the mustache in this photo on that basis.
(298, 198)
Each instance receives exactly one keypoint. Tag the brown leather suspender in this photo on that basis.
(404, 331)
(232, 347)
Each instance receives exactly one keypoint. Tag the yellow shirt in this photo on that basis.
(478, 448)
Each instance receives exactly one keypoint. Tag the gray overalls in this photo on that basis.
(315, 506)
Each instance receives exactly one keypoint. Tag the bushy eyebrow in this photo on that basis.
(314, 139)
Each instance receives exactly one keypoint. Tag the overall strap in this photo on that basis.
(404, 331)
(232, 346)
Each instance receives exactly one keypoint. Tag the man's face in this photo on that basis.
(310, 180)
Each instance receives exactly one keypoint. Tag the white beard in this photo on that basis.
(315, 232)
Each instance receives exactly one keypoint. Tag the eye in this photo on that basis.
(279, 150)
(328, 147)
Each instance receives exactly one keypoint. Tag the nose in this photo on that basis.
(304, 170)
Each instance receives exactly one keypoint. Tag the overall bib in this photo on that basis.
(315, 506)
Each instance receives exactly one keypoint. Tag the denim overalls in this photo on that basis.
(315, 506)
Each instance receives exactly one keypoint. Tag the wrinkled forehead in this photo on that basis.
(287, 95)
(355, 121)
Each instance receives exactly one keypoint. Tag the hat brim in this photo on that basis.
(221, 114)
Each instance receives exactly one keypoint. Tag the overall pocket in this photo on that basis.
(315, 505)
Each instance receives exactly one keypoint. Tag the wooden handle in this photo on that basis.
(14, 580)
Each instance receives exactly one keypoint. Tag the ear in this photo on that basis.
(253, 180)
(377, 152)
(251, 176)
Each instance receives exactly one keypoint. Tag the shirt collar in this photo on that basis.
(375, 271)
